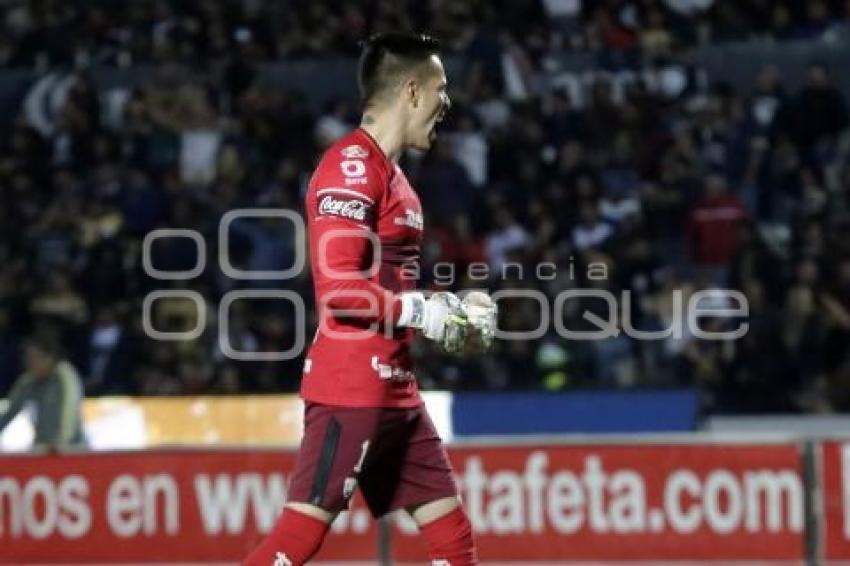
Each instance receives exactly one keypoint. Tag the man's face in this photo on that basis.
(428, 102)
(38, 363)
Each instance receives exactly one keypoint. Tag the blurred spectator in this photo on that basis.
(836, 305)
(591, 231)
(444, 185)
(714, 224)
(470, 149)
(200, 137)
(107, 366)
(769, 101)
(50, 385)
(507, 237)
(819, 112)
(455, 247)
(333, 124)
(60, 302)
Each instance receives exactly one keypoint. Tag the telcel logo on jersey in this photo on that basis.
(351, 208)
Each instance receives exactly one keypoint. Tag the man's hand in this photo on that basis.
(481, 313)
(440, 318)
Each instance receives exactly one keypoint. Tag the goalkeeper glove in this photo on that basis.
(481, 313)
(440, 318)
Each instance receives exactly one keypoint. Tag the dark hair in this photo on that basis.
(386, 55)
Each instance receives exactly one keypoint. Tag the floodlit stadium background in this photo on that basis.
(673, 146)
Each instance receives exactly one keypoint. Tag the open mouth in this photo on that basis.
(432, 133)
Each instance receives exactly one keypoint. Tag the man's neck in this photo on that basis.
(385, 129)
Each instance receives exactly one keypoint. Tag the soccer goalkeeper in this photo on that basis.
(365, 425)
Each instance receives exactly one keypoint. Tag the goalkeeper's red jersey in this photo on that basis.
(358, 198)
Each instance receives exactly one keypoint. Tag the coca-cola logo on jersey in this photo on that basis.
(351, 208)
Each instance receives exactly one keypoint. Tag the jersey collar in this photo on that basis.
(370, 141)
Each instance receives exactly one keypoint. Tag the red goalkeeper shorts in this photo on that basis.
(394, 456)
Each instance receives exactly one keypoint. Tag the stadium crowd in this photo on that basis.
(657, 194)
(50, 32)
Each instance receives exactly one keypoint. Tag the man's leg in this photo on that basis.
(447, 532)
(417, 477)
(332, 450)
(295, 538)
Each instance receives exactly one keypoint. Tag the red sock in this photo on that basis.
(295, 538)
(449, 539)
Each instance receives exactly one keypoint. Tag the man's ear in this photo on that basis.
(411, 90)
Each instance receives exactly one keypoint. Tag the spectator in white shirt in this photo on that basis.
(591, 231)
(510, 236)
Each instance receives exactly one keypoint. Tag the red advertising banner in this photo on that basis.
(835, 490)
(157, 506)
(630, 502)
(528, 503)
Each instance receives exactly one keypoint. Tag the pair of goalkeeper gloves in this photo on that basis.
(458, 327)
